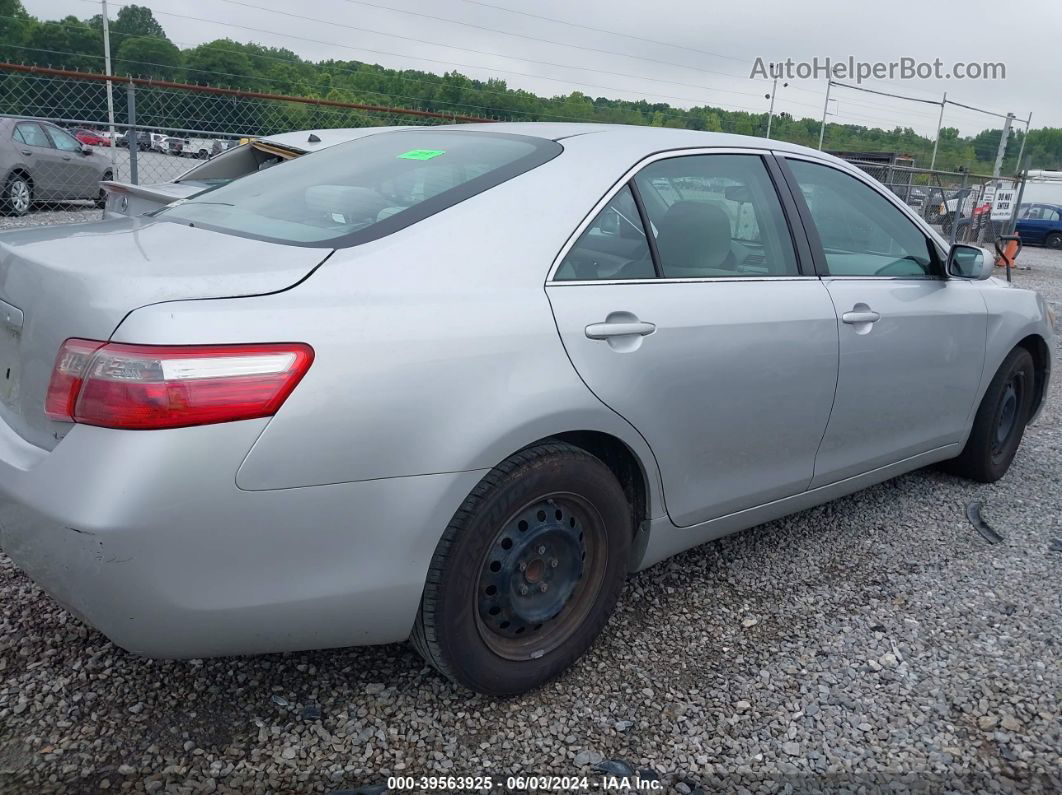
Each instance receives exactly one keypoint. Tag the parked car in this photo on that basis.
(454, 383)
(171, 145)
(197, 147)
(220, 145)
(143, 138)
(1040, 224)
(39, 162)
(91, 137)
(238, 161)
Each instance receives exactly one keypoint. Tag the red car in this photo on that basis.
(91, 137)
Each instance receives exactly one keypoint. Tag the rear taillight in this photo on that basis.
(141, 387)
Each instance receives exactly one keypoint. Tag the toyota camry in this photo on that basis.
(453, 384)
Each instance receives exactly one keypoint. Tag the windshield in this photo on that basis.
(364, 189)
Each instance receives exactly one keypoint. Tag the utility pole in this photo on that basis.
(1024, 138)
(825, 105)
(1002, 145)
(107, 71)
(770, 114)
(940, 121)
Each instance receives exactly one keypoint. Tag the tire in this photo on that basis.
(1000, 421)
(514, 595)
(1053, 240)
(17, 198)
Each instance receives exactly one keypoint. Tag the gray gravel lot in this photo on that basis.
(875, 640)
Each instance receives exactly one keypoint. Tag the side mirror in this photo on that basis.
(969, 262)
(86, 149)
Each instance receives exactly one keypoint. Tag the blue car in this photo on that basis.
(1040, 224)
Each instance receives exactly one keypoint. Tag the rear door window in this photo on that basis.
(716, 216)
(31, 134)
(364, 189)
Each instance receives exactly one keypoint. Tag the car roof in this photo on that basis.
(653, 138)
(633, 137)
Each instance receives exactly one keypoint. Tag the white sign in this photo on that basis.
(1003, 205)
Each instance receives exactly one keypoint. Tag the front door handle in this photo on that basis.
(26, 152)
(602, 331)
(860, 316)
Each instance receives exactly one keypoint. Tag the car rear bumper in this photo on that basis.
(146, 536)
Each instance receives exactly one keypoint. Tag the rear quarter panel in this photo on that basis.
(435, 348)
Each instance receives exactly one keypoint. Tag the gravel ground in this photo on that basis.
(877, 640)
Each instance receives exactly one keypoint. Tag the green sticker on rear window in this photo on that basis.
(421, 154)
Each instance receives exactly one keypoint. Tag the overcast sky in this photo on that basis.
(701, 52)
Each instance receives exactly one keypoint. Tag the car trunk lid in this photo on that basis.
(82, 280)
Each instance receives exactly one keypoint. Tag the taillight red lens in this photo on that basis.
(141, 387)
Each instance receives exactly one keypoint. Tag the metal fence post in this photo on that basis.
(132, 136)
(960, 199)
(1023, 175)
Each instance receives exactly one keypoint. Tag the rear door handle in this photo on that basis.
(602, 331)
(863, 316)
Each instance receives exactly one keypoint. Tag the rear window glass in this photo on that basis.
(364, 189)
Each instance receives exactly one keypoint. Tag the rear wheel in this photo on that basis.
(527, 573)
(1000, 421)
(1053, 240)
(18, 195)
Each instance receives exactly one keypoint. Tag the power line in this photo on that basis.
(451, 64)
(537, 38)
(487, 52)
(885, 93)
(609, 32)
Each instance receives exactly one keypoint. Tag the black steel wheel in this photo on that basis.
(527, 573)
(1000, 421)
(539, 577)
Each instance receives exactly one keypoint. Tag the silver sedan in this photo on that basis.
(452, 384)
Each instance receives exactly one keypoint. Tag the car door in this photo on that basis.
(78, 172)
(682, 304)
(912, 342)
(35, 147)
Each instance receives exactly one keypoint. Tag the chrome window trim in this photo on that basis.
(697, 280)
(618, 186)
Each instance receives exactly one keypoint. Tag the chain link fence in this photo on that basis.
(957, 203)
(58, 144)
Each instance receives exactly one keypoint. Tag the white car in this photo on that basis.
(197, 147)
(127, 199)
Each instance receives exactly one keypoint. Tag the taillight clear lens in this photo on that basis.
(65, 385)
(141, 387)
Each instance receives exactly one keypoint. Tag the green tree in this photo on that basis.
(221, 62)
(15, 25)
(148, 57)
(68, 43)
